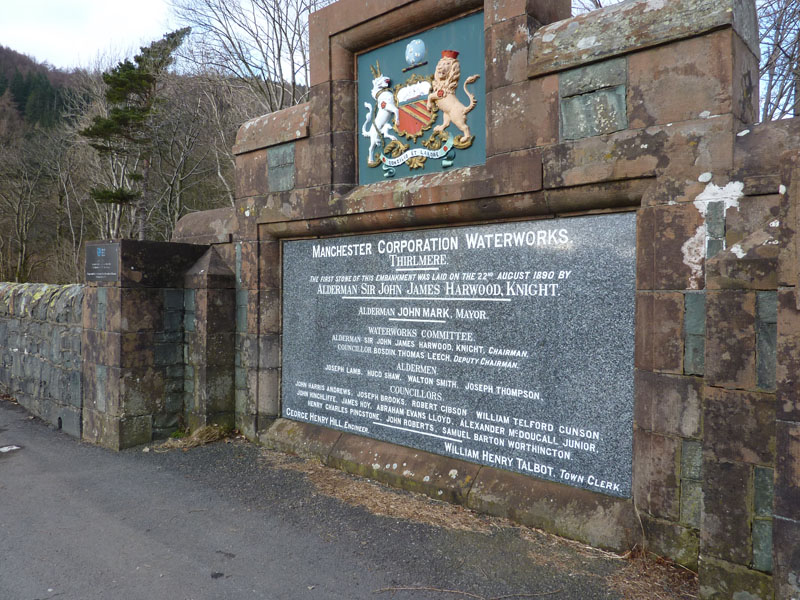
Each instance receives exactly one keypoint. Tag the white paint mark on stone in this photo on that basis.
(453, 473)
(587, 42)
(509, 48)
(782, 190)
(705, 114)
(694, 251)
(247, 213)
(694, 248)
(743, 133)
(704, 177)
(738, 251)
(6, 449)
(775, 223)
(643, 146)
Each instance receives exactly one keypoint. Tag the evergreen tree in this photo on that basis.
(132, 93)
(20, 88)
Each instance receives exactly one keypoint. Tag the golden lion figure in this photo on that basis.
(445, 82)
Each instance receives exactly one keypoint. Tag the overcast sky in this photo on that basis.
(73, 33)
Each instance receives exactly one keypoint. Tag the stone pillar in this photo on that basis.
(210, 305)
(786, 515)
(133, 345)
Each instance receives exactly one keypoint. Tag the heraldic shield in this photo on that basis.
(419, 115)
(415, 115)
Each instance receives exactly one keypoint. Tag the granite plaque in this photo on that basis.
(507, 345)
(102, 262)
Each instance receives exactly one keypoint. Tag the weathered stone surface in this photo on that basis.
(595, 113)
(632, 26)
(269, 393)
(282, 126)
(720, 580)
(691, 503)
(752, 214)
(766, 339)
(668, 404)
(786, 532)
(668, 84)
(643, 346)
(437, 476)
(594, 519)
(606, 74)
(508, 42)
(313, 162)
(750, 264)
(762, 545)
(656, 469)
(280, 168)
(251, 174)
(788, 357)
(518, 172)
(645, 249)
(668, 332)
(739, 426)
(726, 522)
(206, 227)
(676, 266)
(764, 491)
(692, 460)
(760, 146)
(745, 82)
(303, 439)
(666, 538)
(787, 468)
(694, 333)
(522, 115)
(544, 11)
(688, 148)
(731, 341)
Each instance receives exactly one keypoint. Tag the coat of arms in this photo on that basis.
(403, 116)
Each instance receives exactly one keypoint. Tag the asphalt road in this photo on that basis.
(219, 522)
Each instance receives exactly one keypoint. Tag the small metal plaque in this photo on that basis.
(508, 345)
(102, 262)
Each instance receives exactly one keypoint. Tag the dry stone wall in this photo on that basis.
(40, 326)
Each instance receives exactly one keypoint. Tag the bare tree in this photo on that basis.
(263, 43)
(779, 35)
(581, 6)
(26, 186)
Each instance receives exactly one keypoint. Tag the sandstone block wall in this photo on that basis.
(645, 106)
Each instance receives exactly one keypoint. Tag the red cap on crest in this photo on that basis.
(449, 54)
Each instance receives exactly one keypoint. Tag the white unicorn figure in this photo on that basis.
(380, 127)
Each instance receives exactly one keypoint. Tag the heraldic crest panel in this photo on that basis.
(422, 103)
